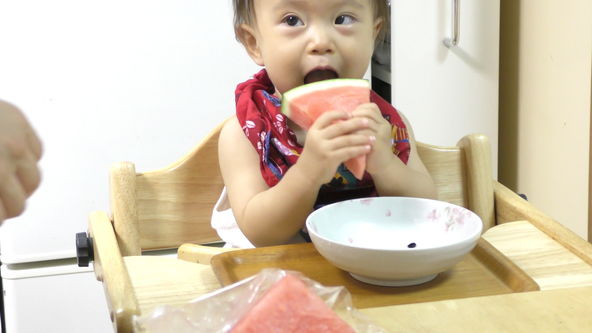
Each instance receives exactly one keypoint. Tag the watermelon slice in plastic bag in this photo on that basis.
(290, 306)
(272, 300)
(306, 103)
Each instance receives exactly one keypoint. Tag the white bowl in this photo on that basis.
(394, 241)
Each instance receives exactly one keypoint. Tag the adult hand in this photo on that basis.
(20, 151)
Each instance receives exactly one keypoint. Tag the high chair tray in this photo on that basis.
(484, 271)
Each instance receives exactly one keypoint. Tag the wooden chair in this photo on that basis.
(172, 207)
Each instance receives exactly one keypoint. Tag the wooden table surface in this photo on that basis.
(562, 305)
(549, 263)
(558, 310)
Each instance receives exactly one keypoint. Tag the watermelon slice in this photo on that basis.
(289, 306)
(304, 104)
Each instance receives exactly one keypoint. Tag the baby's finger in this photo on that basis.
(345, 127)
(351, 140)
(369, 111)
(346, 153)
(330, 117)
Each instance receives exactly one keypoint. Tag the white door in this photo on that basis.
(445, 92)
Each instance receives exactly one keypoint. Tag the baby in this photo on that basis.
(276, 173)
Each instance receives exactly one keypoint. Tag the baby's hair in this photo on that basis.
(244, 13)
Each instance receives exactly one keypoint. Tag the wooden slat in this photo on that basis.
(201, 254)
(479, 177)
(113, 273)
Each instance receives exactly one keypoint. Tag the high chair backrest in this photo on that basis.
(171, 206)
(463, 174)
(168, 207)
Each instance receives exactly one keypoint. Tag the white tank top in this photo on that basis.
(224, 223)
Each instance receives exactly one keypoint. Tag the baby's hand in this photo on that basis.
(335, 137)
(379, 130)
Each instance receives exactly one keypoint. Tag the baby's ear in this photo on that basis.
(378, 25)
(249, 38)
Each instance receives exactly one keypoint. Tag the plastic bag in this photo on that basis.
(221, 310)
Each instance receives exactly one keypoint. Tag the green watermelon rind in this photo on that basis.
(317, 86)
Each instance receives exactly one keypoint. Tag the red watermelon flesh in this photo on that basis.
(304, 104)
(289, 306)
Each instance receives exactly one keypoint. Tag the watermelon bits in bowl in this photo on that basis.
(394, 241)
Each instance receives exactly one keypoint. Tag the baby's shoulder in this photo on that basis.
(231, 127)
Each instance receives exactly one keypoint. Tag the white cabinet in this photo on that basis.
(54, 297)
(446, 92)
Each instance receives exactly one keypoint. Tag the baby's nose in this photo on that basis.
(321, 41)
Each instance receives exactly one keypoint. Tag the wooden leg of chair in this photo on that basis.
(111, 270)
(199, 253)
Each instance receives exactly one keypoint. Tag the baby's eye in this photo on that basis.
(292, 20)
(345, 19)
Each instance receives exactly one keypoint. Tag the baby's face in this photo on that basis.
(302, 41)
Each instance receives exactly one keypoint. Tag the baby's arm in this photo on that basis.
(391, 176)
(272, 215)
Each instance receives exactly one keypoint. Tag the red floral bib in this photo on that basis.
(258, 112)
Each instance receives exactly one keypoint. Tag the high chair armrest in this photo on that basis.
(510, 207)
(110, 269)
(201, 254)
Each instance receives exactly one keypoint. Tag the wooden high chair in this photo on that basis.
(167, 208)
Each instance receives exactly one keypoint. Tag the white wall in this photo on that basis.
(106, 81)
(545, 105)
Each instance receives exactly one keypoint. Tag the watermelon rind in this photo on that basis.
(316, 86)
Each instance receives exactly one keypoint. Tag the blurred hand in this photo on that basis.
(20, 151)
(334, 138)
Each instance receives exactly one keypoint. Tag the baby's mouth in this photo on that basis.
(320, 75)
